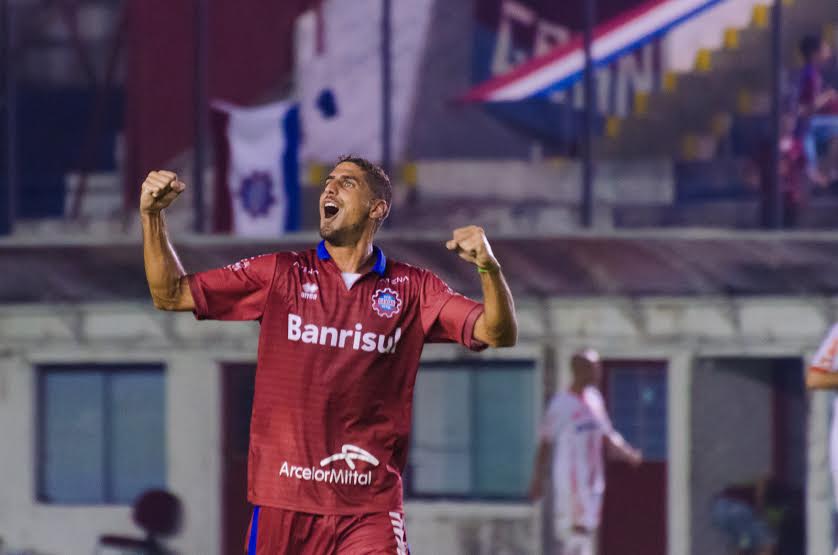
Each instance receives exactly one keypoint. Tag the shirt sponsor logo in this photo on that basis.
(341, 476)
(386, 303)
(355, 339)
(309, 291)
(350, 453)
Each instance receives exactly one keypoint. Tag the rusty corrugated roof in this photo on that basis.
(564, 267)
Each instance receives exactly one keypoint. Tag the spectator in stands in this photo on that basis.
(792, 170)
(828, 167)
(817, 103)
(813, 95)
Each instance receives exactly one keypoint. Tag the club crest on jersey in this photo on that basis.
(386, 303)
(309, 291)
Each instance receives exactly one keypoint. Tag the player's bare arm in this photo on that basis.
(821, 380)
(497, 326)
(618, 448)
(164, 272)
(539, 471)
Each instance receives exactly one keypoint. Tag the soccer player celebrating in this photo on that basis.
(342, 330)
(575, 425)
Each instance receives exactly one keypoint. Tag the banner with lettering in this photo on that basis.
(509, 33)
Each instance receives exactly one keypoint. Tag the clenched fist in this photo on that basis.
(471, 244)
(160, 188)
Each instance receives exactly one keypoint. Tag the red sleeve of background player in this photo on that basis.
(235, 292)
(448, 317)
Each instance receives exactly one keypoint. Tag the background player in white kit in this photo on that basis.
(574, 428)
(823, 374)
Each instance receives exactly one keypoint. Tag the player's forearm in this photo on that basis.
(164, 272)
(498, 325)
(542, 459)
(540, 467)
(821, 380)
(618, 447)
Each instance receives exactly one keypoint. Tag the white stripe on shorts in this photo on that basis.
(398, 530)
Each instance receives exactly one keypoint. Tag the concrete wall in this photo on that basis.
(677, 330)
(472, 528)
(732, 437)
(192, 448)
(617, 181)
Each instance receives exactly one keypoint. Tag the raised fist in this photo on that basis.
(159, 189)
(471, 244)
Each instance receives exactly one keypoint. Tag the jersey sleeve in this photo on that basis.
(594, 399)
(552, 421)
(448, 317)
(235, 292)
(826, 357)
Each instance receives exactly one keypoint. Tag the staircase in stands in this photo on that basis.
(693, 112)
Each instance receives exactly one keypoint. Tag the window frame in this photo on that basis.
(108, 370)
(442, 363)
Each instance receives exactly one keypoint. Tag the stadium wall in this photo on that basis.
(719, 400)
(676, 330)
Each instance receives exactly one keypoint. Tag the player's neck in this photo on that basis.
(353, 259)
(578, 387)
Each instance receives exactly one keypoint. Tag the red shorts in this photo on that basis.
(275, 531)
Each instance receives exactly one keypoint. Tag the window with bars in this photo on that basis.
(101, 432)
(473, 430)
(637, 399)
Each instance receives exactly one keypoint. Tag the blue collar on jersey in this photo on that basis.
(380, 260)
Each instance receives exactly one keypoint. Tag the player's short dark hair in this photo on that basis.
(810, 45)
(377, 178)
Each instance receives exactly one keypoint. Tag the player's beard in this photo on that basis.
(343, 236)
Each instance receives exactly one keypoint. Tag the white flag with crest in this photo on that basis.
(257, 171)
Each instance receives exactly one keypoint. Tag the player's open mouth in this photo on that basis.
(330, 209)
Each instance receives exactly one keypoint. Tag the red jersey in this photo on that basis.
(335, 372)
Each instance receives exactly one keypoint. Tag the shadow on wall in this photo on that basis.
(159, 514)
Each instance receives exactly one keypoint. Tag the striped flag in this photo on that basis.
(562, 67)
(256, 168)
